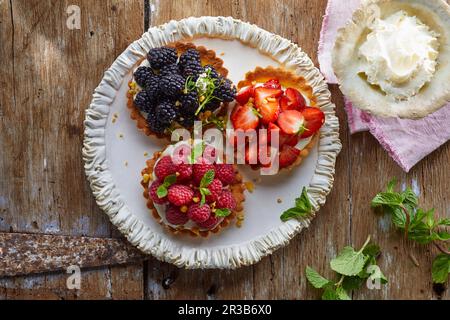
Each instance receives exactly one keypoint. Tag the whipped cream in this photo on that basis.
(399, 55)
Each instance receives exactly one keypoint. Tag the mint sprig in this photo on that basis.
(204, 183)
(417, 224)
(353, 268)
(303, 208)
(222, 212)
(161, 192)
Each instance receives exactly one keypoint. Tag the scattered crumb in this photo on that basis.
(115, 115)
(279, 200)
(114, 120)
(126, 163)
(240, 216)
(222, 54)
(250, 186)
(120, 135)
(257, 180)
(146, 154)
(145, 178)
(238, 224)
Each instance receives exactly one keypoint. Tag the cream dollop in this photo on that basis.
(399, 55)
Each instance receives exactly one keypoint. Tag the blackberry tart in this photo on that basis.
(177, 85)
(191, 190)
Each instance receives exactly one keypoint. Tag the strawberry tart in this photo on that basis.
(177, 85)
(279, 101)
(190, 190)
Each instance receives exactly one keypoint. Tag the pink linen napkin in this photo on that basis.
(406, 141)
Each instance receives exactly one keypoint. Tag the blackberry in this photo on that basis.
(169, 70)
(172, 85)
(192, 69)
(213, 72)
(189, 101)
(156, 125)
(142, 74)
(144, 101)
(188, 57)
(152, 87)
(166, 112)
(160, 57)
(186, 119)
(226, 91)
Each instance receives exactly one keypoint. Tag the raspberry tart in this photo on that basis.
(191, 191)
(177, 85)
(278, 100)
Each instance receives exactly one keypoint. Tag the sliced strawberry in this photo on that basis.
(291, 122)
(272, 84)
(245, 118)
(245, 94)
(292, 100)
(266, 101)
(289, 139)
(288, 155)
(272, 127)
(314, 119)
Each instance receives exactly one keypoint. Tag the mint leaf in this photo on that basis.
(330, 294)
(390, 199)
(207, 179)
(444, 222)
(375, 273)
(342, 294)
(441, 268)
(348, 262)
(316, 280)
(161, 192)
(303, 208)
(352, 283)
(222, 212)
(372, 250)
(204, 192)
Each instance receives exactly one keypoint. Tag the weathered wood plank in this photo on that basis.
(22, 253)
(48, 75)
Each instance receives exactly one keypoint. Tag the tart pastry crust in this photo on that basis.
(206, 57)
(287, 79)
(433, 13)
(237, 189)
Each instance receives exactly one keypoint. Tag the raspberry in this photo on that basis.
(200, 168)
(225, 173)
(210, 223)
(199, 213)
(179, 194)
(183, 171)
(226, 200)
(175, 216)
(164, 168)
(215, 187)
(152, 193)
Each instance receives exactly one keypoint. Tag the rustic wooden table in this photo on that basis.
(48, 73)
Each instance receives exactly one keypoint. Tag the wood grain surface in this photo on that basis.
(48, 73)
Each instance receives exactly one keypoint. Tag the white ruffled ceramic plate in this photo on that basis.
(114, 152)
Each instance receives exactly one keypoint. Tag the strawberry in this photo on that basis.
(272, 127)
(266, 101)
(314, 119)
(245, 94)
(244, 117)
(292, 100)
(288, 155)
(291, 122)
(272, 84)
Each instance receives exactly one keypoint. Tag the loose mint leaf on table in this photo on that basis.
(441, 268)
(316, 280)
(303, 208)
(330, 294)
(350, 262)
(423, 227)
